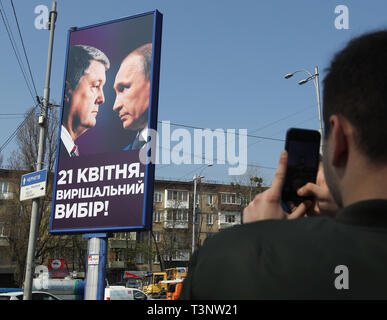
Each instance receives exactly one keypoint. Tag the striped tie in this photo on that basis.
(74, 152)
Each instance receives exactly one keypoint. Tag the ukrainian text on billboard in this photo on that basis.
(109, 104)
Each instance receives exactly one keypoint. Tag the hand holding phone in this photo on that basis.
(268, 204)
(303, 148)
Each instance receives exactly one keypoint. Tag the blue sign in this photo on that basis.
(33, 177)
(33, 185)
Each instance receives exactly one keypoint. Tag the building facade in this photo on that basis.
(169, 244)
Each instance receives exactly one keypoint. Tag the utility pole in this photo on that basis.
(195, 179)
(34, 226)
(317, 84)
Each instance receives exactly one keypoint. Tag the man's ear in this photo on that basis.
(68, 92)
(340, 141)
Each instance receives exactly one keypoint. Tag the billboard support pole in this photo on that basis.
(27, 294)
(96, 266)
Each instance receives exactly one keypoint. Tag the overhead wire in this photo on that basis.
(24, 49)
(236, 133)
(9, 139)
(29, 82)
(15, 49)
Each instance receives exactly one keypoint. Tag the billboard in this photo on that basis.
(109, 102)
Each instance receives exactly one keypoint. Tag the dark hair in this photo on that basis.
(79, 61)
(356, 88)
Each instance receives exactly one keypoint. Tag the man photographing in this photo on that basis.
(132, 87)
(83, 94)
(277, 256)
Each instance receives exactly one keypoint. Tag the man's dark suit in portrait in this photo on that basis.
(83, 94)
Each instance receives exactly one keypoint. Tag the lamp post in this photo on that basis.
(195, 180)
(316, 82)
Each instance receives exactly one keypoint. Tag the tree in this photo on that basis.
(17, 214)
(174, 239)
(248, 185)
(203, 228)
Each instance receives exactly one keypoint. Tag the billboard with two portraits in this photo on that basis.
(110, 100)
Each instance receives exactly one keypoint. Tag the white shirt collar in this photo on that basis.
(66, 139)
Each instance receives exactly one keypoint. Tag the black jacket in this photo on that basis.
(296, 259)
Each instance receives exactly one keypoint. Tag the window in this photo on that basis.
(139, 258)
(230, 198)
(177, 195)
(3, 186)
(156, 235)
(2, 229)
(180, 255)
(210, 199)
(157, 216)
(230, 218)
(197, 200)
(158, 278)
(138, 295)
(157, 197)
(210, 218)
(177, 215)
(140, 236)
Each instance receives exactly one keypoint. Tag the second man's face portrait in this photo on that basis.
(132, 93)
(88, 96)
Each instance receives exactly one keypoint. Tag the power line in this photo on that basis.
(14, 47)
(9, 139)
(236, 133)
(24, 49)
(279, 120)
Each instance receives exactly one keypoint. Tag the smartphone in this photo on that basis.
(303, 147)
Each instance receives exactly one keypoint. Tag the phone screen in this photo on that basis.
(303, 160)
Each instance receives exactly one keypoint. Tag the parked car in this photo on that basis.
(123, 293)
(36, 295)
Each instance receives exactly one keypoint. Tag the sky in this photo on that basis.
(222, 66)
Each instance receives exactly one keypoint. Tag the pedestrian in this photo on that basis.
(276, 257)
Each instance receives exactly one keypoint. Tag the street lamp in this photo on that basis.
(195, 180)
(316, 83)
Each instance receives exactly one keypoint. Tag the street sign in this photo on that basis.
(33, 185)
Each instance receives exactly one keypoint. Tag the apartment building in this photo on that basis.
(217, 207)
(169, 244)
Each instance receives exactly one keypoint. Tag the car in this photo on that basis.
(36, 295)
(123, 293)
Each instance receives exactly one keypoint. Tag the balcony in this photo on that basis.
(228, 219)
(176, 224)
(117, 264)
(6, 195)
(177, 204)
(3, 242)
(177, 199)
(121, 244)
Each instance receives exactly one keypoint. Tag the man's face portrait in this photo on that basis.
(87, 96)
(132, 93)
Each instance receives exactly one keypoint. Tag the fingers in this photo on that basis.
(279, 177)
(299, 211)
(310, 189)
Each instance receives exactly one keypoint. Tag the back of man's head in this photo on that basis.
(356, 88)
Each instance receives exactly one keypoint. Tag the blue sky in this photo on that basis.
(222, 64)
